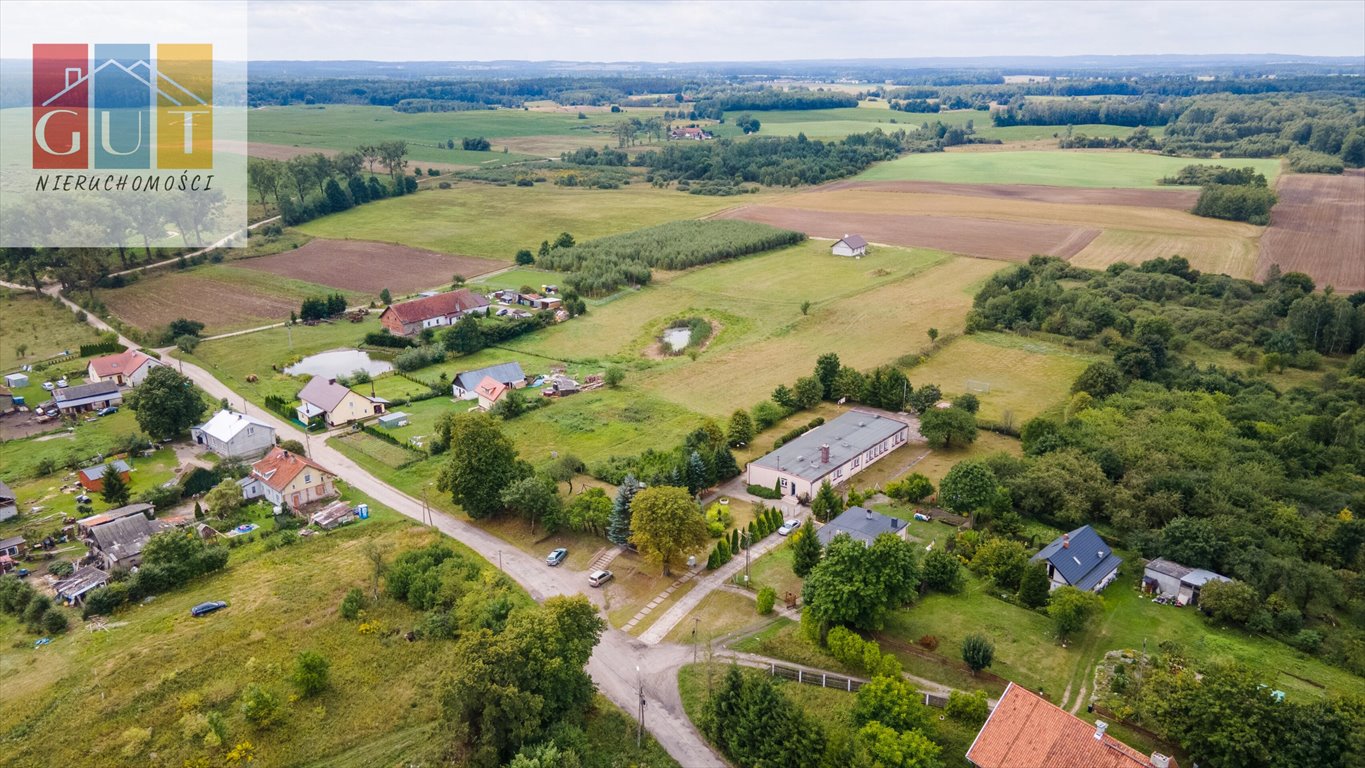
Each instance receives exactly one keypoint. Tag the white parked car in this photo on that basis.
(788, 527)
(49, 386)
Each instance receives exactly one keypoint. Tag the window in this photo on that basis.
(857, 460)
(307, 477)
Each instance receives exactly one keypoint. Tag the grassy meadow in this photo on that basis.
(41, 326)
(495, 222)
(1072, 168)
(155, 668)
(1025, 377)
(527, 134)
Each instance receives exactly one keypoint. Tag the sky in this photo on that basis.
(672, 30)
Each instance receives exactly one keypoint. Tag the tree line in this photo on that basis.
(308, 186)
(771, 160)
(600, 267)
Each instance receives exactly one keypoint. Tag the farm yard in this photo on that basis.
(224, 298)
(1318, 228)
(367, 267)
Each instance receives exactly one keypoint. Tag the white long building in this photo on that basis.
(834, 451)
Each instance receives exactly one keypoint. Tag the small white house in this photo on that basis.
(16, 380)
(849, 245)
(234, 435)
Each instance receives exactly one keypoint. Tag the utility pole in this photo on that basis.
(640, 690)
(696, 620)
(748, 544)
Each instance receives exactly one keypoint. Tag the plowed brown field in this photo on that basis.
(1178, 199)
(992, 239)
(1318, 228)
(369, 267)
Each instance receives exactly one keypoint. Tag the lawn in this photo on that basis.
(1027, 652)
(459, 220)
(514, 279)
(344, 127)
(1015, 378)
(44, 327)
(1088, 168)
(718, 614)
(80, 444)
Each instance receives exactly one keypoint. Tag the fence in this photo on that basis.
(822, 679)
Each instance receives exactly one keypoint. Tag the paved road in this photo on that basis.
(619, 664)
(615, 660)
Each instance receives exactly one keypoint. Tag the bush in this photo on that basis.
(942, 571)
(414, 358)
(1307, 640)
(352, 604)
(260, 707)
(55, 622)
(978, 652)
(928, 642)
(767, 596)
(763, 492)
(968, 708)
(310, 673)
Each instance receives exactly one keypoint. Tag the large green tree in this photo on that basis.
(891, 701)
(826, 370)
(166, 403)
(754, 724)
(481, 464)
(741, 429)
(511, 688)
(878, 746)
(858, 585)
(806, 549)
(666, 523)
(618, 527)
(536, 498)
(115, 491)
(968, 486)
(827, 504)
(1072, 610)
(948, 427)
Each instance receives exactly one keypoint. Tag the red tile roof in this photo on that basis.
(124, 362)
(490, 389)
(1027, 731)
(280, 467)
(440, 305)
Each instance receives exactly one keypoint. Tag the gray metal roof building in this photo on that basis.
(862, 524)
(847, 436)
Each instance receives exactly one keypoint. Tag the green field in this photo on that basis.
(870, 311)
(337, 126)
(1072, 168)
(1012, 376)
(42, 326)
(495, 222)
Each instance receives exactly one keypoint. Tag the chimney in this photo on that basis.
(1100, 728)
(1160, 761)
(1066, 541)
(1100, 554)
(824, 453)
(869, 514)
(332, 380)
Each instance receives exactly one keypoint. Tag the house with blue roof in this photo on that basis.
(1080, 559)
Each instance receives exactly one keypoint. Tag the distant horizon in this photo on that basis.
(614, 31)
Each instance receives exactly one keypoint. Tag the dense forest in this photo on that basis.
(1205, 465)
(772, 160)
(478, 93)
(599, 267)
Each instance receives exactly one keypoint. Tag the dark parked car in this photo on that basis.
(204, 609)
(556, 557)
(107, 411)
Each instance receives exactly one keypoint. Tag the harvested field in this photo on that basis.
(223, 298)
(1234, 256)
(1177, 198)
(1009, 240)
(1318, 228)
(369, 267)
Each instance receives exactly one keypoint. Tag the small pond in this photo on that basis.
(677, 339)
(338, 362)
